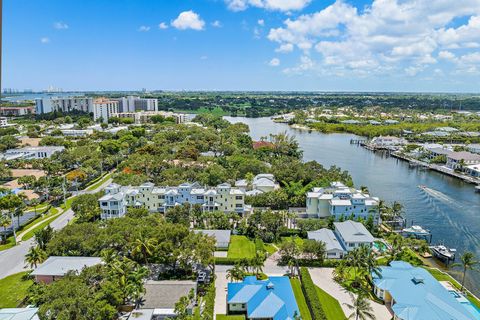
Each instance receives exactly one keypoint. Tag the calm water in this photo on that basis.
(450, 210)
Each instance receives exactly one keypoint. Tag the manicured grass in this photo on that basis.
(301, 302)
(241, 247)
(8, 244)
(225, 317)
(330, 305)
(97, 183)
(41, 226)
(271, 249)
(215, 111)
(13, 289)
(68, 203)
(298, 240)
(442, 276)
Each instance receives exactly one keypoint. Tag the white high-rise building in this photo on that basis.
(63, 104)
(132, 104)
(104, 108)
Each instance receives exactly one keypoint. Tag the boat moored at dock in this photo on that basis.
(443, 253)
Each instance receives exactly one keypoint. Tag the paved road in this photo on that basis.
(13, 260)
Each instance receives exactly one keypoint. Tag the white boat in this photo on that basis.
(416, 230)
(443, 252)
(477, 188)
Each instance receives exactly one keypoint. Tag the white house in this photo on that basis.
(388, 141)
(353, 234)
(333, 246)
(339, 200)
(474, 147)
(455, 160)
(113, 203)
(264, 182)
(63, 104)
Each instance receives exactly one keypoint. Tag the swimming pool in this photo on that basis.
(380, 246)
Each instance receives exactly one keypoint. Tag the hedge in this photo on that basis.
(327, 263)
(209, 301)
(226, 260)
(310, 293)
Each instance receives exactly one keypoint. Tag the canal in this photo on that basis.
(450, 209)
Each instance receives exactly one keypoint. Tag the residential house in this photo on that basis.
(146, 116)
(412, 293)
(16, 111)
(55, 268)
(333, 246)
(473, 170)
(352, 234)
(474, 147)
(458, 160)
(271, 299)
(159, 199)
(339, 200)
(436, 151)
(388, 141)
(19, 314)
(222, 237)
(132, 104)
(160, 298)
(264, 182)
(113, 204)
(29, 153)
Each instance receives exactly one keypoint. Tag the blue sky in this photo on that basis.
(380, 45)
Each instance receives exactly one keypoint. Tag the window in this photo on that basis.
(238, 205)
(351, 244)
(238, 197)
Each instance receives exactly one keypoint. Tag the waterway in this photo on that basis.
(449, 207)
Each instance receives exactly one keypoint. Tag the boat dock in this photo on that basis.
(431, 166)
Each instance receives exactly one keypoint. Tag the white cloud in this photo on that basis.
(144, 28)
(447, 55)
(203, 58)
(217, 24)
(188, 20)
(386, 36)
(45, 40)
(286, 47)
(275, 62)
(60, 25)
(277, 5)
(162, 26)
(261, 22)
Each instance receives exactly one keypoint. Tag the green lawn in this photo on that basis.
(442, 276)
(13, 290)
(225, 317)
(271, 249)
(8, 244)
(330, 305)
(301, 302)
(241, 247)
(98, 182)
(215, 111)
(298, 240)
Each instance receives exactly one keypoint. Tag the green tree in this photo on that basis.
(467, 262)
(361, 308)
(35, 256)
(86, 207)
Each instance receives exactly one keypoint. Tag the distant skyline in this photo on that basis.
(257, 45)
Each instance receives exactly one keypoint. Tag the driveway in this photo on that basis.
(323, 278)
(221, 289)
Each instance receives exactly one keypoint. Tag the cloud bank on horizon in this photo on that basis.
(400, 42)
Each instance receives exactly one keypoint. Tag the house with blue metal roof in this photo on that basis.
(413, 293)
(262, 299)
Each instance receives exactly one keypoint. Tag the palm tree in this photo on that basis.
(361, 308)
(468, 262)
(35, 256)
(236, 273)
(144, 248)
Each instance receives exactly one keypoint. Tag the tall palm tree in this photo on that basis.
(144, 248)
(361, 308)
(236, 273)
(35, 256)
(468, 262)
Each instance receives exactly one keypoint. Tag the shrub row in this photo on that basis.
(308, 288)
(226, 260)
(209, 302)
